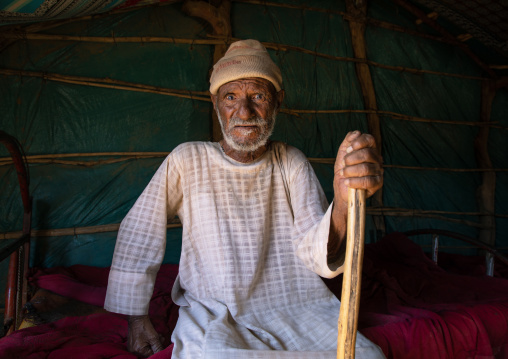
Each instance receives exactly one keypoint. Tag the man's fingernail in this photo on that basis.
(349, 149)
(346, 182)
(341, 172)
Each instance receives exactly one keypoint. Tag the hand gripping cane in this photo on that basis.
(351, 283)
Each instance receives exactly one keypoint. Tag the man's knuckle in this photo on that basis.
(368, 181)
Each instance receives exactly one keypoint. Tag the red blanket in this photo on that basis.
(409, 307)
(415, 309)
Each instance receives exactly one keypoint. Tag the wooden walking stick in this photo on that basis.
(351, 283)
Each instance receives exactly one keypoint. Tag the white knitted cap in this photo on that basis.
(246, 58)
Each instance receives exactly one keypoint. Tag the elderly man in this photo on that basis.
(257, 231)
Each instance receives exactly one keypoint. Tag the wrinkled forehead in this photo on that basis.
(248, 84)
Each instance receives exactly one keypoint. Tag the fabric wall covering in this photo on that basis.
(17, 11)
(52, 117)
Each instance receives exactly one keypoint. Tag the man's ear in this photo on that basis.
(214, 101)
(280, 98)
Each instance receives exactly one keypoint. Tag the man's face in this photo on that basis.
(246, 109)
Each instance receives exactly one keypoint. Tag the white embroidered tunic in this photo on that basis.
(254, 245)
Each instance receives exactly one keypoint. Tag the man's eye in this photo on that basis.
(259, 96)
(230, 97)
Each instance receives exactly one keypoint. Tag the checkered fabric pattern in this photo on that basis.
(254, 242)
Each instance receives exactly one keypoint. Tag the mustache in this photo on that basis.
(254, 121)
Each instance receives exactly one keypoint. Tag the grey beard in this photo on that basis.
(267, 126)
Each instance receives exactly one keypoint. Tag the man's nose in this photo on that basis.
(245, 110)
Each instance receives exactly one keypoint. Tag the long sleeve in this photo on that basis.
(141, 242)
(312, 216)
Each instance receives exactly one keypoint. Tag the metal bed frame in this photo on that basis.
(490, 252)
(18, 249)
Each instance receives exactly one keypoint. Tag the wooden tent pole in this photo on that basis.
(387, 211)
(217, 14)
(351, 284)
(486, 192)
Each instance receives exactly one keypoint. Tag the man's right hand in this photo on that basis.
(142, 339)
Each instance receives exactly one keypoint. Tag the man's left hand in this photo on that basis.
(358, 165)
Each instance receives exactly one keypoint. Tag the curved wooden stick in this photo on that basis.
(351, 283)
